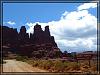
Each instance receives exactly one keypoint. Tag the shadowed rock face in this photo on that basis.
(42, 37)
(38, 42)
(9, 36)
(23, 37)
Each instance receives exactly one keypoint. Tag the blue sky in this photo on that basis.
(17, 14)
(35, 12)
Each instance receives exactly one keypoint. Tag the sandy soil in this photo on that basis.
(19, 66)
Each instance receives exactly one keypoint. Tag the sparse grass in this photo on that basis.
(60, 66)
(21, 58)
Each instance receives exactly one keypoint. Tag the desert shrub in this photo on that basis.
(65, 63)
(62, 66)
(30, 61)
(55, 66)
(65, 66)
(48, 64)
(21, 58)
(35, 64)
(73, 66)
(45, 64)
(58, 66)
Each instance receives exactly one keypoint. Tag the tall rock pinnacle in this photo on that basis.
(47, 30)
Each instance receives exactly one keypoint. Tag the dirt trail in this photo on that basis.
(19, 66)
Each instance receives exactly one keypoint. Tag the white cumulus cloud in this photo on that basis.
(87, 6)
(74, 30)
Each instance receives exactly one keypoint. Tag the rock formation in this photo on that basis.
(23, 36)
(42, 37)
(39, 44)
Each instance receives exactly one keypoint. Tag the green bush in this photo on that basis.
(21, 58)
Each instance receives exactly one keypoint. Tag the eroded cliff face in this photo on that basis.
(39, 44)
(42, 37)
